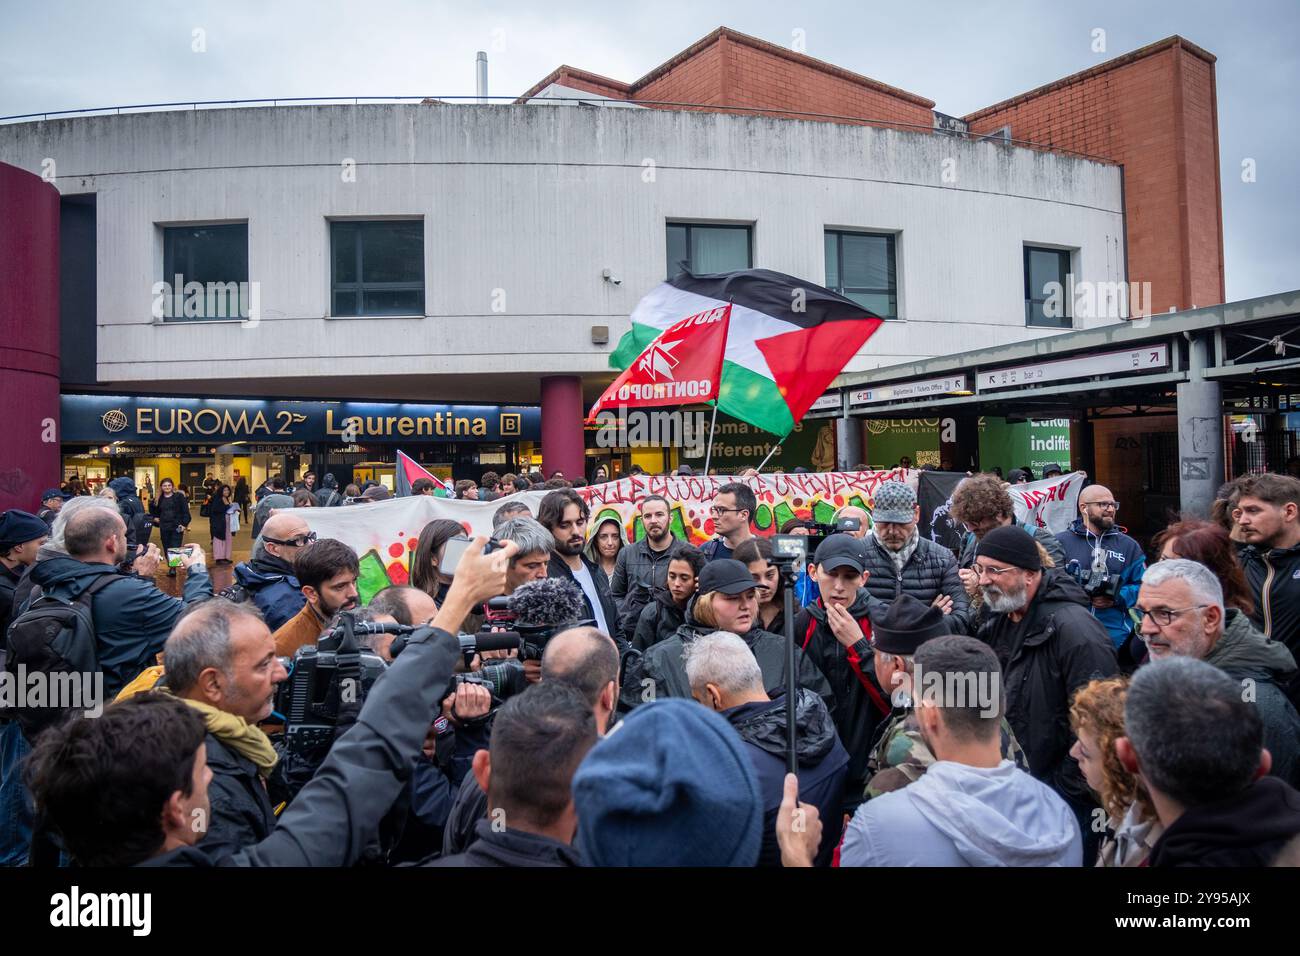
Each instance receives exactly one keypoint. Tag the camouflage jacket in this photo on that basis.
(900, 756)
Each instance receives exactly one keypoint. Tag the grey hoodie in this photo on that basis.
(958, 815)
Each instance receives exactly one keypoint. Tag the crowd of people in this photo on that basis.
(1028, 699)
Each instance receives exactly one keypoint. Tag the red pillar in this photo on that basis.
(562, 436)
(29, 338)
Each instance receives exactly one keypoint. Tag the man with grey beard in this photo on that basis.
(1039, 623)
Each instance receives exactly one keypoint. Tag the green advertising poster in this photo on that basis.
(1037, 443)
(739, 445)
(889, 439)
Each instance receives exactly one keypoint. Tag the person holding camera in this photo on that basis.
(127, 788)
(1109, 562)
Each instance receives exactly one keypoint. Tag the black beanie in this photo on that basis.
(1013, 545)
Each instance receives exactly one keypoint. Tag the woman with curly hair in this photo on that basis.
(1097, 719)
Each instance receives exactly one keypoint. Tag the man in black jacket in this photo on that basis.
(564, 514)
(835, 632)
(1266, 509)
(641, 570)
(538, 739)
(21, 536)
(1199, 749)
(1040, 624)
(221, 661)
(97, 781)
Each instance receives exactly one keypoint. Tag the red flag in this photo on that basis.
(682, 366)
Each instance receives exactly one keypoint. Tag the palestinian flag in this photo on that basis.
(410, 471)
(788, 339)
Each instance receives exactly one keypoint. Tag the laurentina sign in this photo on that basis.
(104, 418)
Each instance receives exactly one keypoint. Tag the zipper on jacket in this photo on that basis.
(1264, 596)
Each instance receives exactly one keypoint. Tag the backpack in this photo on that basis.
(52, 636)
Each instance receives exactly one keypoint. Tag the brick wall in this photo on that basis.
(1154, 112)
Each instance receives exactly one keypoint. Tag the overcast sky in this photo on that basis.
(962, 54)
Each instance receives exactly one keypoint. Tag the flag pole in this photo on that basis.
(708, 452)
(775, 446)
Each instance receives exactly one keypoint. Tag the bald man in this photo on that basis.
(586, 659)
(864, 520)
(1105, 560)
(268, 577)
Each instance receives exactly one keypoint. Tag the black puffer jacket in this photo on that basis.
(659, 621)
(1274, 577)
(241, 812)
(930, 571)
(1057, 648)
(859, 704)
(660, 673)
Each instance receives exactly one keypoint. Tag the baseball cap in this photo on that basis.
(840, 551)
(49, 493)
(726, 575)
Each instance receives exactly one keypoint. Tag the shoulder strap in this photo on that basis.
(97, 585)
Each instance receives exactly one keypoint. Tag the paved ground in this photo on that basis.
(222, 574)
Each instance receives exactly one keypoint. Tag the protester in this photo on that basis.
(131, 617)
(170, 511)
(533, 557)
(426, 560)
(403, 603)
(899, 755)
(220, 510)
(1198, 747)
(1097, 720)
(138, 521)
(274, 496)
(673, 787)
(604, 547)
(732, 511)
(327, 572)
(1105, 560)
(564, 514)
(972, 807)
(661, 618)
(539, 738)
(726, 601)
(21, 537)
(222, 661)
(1038, 622)
(835, 632)
(899, 561)
(1183, 615)
(466, 490)
(641, 571)
(756, 555)
(124, 789)
(982, 503)
(1208, 543)
(725, 677)
(489, 486)
(1266, 511)
(511, 509)
(268, 577)
(242, 494)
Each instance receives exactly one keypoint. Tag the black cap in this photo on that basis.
(904, 624)
(1013, 545)
(685, 470)
(726, 575)
(54, 493)
(841, 551)
(1052, 470)
(18, 527)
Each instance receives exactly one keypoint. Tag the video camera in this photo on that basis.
(794, 550)
(1098, 581)
(529, 618)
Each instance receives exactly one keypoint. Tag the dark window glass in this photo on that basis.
(1042, 268)
(863, 267)
(377, 267)
(708, 249)
(216, 257)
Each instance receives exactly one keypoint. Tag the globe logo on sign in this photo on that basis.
(114, 420)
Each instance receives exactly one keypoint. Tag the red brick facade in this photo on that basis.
(1153, 111)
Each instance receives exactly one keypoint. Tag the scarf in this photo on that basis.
(239, 735)
(903, 554)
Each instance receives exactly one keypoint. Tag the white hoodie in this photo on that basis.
(958, 815)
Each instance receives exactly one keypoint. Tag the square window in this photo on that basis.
(377, 267)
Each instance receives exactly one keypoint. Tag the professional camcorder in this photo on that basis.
(1097, 581)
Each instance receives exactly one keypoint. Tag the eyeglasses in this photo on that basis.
(1162, 616)
(992, 572)
(715, 510)
(298, 542)
(1103, 505)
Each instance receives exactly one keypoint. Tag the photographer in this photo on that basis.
(1109, 563)
(122, 789)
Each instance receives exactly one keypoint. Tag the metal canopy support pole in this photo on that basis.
(1200, 433)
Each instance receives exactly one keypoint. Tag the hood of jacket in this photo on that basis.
(263, 570)
(1268, 811)
(66, 572)
(858, 608)
(763, 724)
(997, 816)
(123, 485)
(1058, 585)
(1077, 527)
(1243, 651)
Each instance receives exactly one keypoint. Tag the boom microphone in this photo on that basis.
(547, 603)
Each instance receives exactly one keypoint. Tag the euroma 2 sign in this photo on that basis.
(104, 418)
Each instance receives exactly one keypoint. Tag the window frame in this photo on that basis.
(168, 268)
(1065, 322)
(359, 286)
(840, 289)
(690, 225)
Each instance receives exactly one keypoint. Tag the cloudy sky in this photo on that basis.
(963, 54)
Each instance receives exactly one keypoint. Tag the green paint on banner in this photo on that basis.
(763, 517)
(373, 576)
(783, 514)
